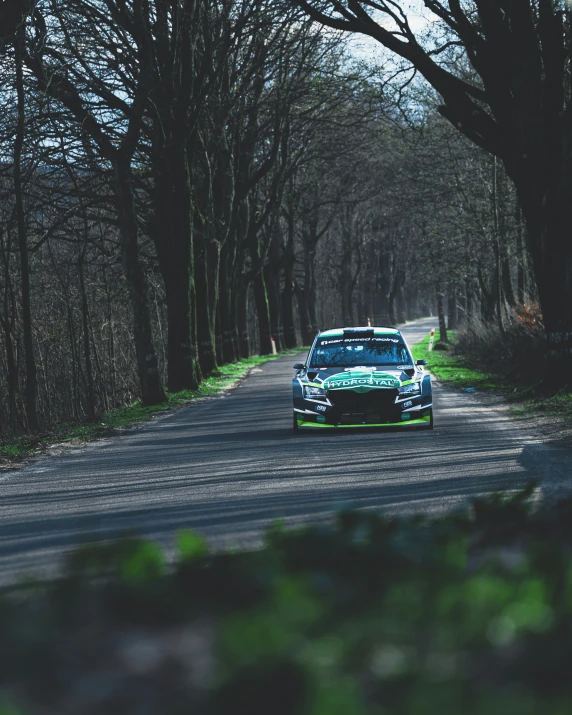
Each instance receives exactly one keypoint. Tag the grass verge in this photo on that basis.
(113, 422)
(453, 369)
(528, 400)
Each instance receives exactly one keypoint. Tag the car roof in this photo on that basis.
(339, 332)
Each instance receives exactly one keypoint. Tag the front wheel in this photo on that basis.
(427, 426)
(430, 425)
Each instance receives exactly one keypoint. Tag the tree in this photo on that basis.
(78, 92)
(515, 103)
(12, 15)
(31, 370)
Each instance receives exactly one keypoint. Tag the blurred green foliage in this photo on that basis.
(470, 614)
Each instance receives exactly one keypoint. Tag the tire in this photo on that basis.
(423, 428)
(430, 425)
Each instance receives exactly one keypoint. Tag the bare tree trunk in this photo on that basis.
(345, 270)
(272, 276)
(391, 307)
(151, 389)
(91, 409)
(241, 318)
(263, 313)
(31, 371)
(520, 257)
(204, 278)
(8, 320)
(110, 343)
(75, 397)
(441, 312)
(290, 339)
(469, 300)
(173, 239)
(382, 316)
(308, 334)
(453, 309)
(505, 274)
(307, 297)
(272, 281)
(226, 306)
(412, 302)
(259, 286)
(401, 307)
(548, 220)
(497, 250)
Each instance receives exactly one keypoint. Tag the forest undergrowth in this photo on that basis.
(511, 363)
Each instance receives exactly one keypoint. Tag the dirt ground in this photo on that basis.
(550, 429)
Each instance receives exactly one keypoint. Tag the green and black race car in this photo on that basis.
(361, 377)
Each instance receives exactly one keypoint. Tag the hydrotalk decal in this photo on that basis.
(361, 381)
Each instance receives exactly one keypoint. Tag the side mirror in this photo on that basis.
(421, 362)
(299, 366)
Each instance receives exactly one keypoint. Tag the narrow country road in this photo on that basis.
(229, 466)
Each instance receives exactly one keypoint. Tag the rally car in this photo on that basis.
(361, 377)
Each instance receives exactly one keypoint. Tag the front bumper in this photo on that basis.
(416, 422)
(353, 410)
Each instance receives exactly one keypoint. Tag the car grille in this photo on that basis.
(373, 407)
(349, 400)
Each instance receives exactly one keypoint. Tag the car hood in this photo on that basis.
(360, 379)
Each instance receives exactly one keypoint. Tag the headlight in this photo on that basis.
(314, 391)
(412, 389)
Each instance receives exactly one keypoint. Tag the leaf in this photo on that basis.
(143, 562)
(190, 545)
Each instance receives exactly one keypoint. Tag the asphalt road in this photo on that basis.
(229, 466)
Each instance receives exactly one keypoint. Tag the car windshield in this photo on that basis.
(367, 352)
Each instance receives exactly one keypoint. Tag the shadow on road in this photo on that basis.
(230, 467)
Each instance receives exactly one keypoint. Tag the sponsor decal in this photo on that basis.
(407, 404)
(320, 418)
(346, 340)
(361, 381)
(320, 408)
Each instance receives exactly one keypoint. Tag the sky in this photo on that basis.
(366, 48)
